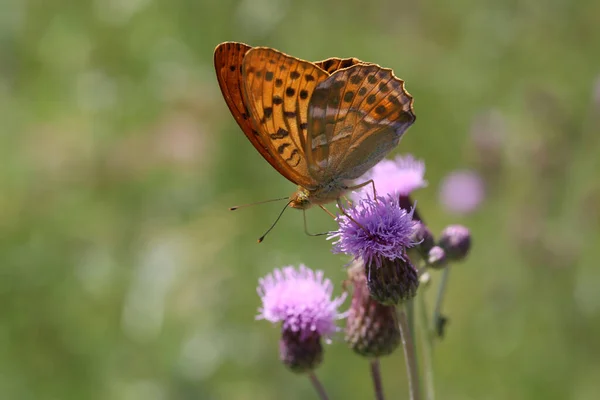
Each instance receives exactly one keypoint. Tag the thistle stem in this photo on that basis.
(318, 386)
(427, 346)
(376, 375)
(438, 319)
(409, 355)
(410, 317)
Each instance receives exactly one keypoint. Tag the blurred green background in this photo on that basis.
(124, 276)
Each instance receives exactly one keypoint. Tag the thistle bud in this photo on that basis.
(436, 258)
(424, 240)
(392, 281)
(371, 327)
(456, 242)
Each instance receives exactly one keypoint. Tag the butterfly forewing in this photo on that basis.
(228, 65)
(277, 90)
(355, 118)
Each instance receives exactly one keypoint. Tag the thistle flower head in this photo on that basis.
(462, 192)
(378, 229)
(371, 327)
(301, 299)
(398, 177)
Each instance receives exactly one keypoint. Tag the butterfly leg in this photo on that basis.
(370, 181)
(327, 211)
(341, 207)
(306, 226)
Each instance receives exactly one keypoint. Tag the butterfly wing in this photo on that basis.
(333, 64)
(355, 118)
(228, 65)
(277, 89)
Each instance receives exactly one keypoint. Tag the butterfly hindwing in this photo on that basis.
(333, 64)
(277, 90)
(356, 117)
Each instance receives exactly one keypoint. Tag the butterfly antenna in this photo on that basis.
(260, 239)
(259, 202)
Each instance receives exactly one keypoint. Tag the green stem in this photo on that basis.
(318, 386)
(376, 375)
(409, 355)
(427, 344)
(438, 319)
(410, 317)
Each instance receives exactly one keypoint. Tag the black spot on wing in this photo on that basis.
(268, 113)
(293, 155)
(380, 109)
(282, 148)
(280, 134)
(348, 96)
(355, 79)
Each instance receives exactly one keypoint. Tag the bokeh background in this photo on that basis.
(124, 275)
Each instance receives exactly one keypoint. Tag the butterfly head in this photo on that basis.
(300, 199)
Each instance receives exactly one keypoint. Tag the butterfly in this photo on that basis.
(319, 124)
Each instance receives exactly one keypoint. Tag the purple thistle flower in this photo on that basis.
(300, 300)
(462, 191)
(399, 177)
(384, 230)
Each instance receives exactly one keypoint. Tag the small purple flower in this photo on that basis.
(399, 177)
(301, 300)
(462, 191)
(379, 229)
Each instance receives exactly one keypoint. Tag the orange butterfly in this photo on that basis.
(321, 124)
